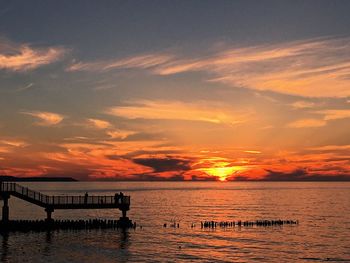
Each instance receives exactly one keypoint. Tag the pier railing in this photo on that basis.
(46, 200)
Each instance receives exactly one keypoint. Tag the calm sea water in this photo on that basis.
(323, 210)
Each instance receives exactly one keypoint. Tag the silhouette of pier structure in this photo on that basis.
(52, 203)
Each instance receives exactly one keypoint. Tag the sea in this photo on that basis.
(322, 235)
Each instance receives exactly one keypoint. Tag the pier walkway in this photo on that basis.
(50, 203)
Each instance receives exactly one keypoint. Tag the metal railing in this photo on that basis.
(63, 200)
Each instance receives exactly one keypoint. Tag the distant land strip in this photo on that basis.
(36, 179)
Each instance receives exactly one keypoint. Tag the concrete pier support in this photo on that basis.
(124, 221)
(5, 208)
(48, 214)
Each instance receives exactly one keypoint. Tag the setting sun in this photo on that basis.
(222, 170)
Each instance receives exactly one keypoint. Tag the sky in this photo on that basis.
(175, 90)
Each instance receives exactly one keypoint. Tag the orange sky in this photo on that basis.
(196, 98)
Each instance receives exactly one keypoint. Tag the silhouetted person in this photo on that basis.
(85, 197)
(116, 198)
(121, 197)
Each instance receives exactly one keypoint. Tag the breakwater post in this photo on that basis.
(240, 223)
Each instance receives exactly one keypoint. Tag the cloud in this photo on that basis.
(45, 118)
(285, 176)
(335, 114)
(119, 134)
(142, 61)
(99, 124)
(328, 115)
(4, 149)
(153, 152)
(303, 104)
(14, 143)
(164, 164)
(307, 123)
(23, 57)
(311, 68)
(176, 110)
(26, 87)
(252, 151)
(331, 148)
(316, 68)
(110, 130)
(303, 175)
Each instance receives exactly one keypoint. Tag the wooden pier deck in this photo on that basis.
(51, 203)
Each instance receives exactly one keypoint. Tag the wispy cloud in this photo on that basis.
(335, 114)
(309, 68)
(176, 110)
(119, 134)
(326, 116)
(108, 128)
(252, 151)
(23, 57)
(307, 123)
(312, 68)
(26, 87)
(14, 143)
(45, 118)
(301, 104)
(98, 124)
(142, 61)
(331, 148)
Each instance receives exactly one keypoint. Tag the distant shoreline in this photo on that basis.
(36, 179)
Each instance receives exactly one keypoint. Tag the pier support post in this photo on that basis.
(124, 213)
(124, 221)
(5, 208)
(49, 214)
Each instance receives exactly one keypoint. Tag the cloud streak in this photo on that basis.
(316, 68)
(335, 114)
(98, 124)
(307, 123)
(14, 143)
(23, 57)
(143, 61)
(45, 118)
(325, 117)
(311, 68)
(176, 110)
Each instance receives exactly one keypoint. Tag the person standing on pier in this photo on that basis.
(85, 197)
(116, 198)
(121, 195)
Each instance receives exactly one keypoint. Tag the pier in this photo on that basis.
(52, 203)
